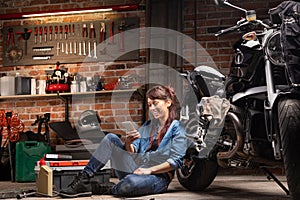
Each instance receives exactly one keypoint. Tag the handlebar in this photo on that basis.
(240, 24)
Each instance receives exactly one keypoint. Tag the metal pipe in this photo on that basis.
(239, 138)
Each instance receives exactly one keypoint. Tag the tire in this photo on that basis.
(289, 126)
(199, 175)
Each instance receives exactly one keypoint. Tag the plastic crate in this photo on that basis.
(27, 154)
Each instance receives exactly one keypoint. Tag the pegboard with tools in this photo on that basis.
(92, 41)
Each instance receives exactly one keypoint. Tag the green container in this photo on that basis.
(27, 154)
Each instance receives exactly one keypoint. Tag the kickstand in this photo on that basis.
(270, 176)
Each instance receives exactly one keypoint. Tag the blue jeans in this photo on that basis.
(112, 148)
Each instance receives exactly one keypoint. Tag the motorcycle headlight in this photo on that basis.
(274, 49)
(239, 57)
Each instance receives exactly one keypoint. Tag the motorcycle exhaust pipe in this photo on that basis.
(239, 138)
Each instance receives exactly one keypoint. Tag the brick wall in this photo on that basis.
(110, 112)
(202, 18)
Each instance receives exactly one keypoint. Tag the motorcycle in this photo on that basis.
(259, 130)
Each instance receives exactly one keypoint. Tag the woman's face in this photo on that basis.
(159, 108)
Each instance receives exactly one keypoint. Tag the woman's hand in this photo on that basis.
(156, 169)
(143, 171)
(129, 138)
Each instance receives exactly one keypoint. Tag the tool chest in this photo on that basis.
(64, 172)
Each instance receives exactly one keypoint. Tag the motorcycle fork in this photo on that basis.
(269, 103)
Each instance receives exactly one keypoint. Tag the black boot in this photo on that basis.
(79, 187)
(102, 188)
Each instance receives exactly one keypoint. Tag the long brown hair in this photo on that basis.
(163, 93)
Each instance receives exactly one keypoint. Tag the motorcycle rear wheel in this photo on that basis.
(289, 126)
(199, 175)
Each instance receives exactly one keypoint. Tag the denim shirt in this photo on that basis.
(172, 148)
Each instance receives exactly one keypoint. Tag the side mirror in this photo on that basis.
(220, 2)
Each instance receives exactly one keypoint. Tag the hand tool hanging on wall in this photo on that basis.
(62, 47)
(121, 30)
(69, 30)
(84, 34)
(42, 49)
(92, 36)
(10, 37)
(55, 32)
(92, 31)
(36, 30)
(79, 48)
(122, 27)
(50, 33)
(41, 33)
(95, 50)
(71, 49)
(42, 57)
(73, 29)
(45, 33)
(75, 47)
(66, 31)
(102, 32)
(84, 48)
(13, 52)
(60, 32)
(67, 51)
(25, 36)
(57, 48)
(84, 31)
(111, 32)
(102, 36)
(89, 49)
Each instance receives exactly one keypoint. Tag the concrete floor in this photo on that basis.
(227, 187)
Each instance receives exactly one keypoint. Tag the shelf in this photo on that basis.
(67, 94)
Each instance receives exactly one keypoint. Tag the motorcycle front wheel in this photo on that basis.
(289, 126)
(198, 174)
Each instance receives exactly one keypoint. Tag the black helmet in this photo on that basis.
(89, 120)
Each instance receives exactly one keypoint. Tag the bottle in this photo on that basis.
(83, 86)
(74, 87)
(45, 179)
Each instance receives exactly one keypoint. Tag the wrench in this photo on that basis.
(45, 33)
(75, 48)
(89, 48)
(55, 32)
(83, 46)
(67, 48)
(95, 50)
(71, 48)
(57, 48)
(62, 48)
(50, 33)
(41, 33)
(66, 31)
(60, 32)
(79, 46)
